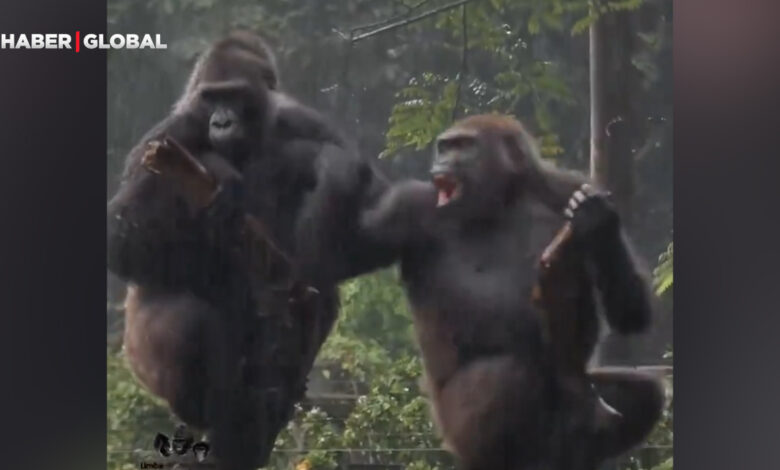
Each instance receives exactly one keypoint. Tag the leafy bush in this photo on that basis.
(134, 416)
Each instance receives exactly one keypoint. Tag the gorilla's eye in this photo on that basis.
(251, 112)
(227, 91)
(211, 95)
(455, 143)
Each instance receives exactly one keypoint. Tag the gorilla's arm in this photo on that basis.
(619, 276)
(399, 216)
(330, 241)
(622, 283)
(154, 238)
(149, 238)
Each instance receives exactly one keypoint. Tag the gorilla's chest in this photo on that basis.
(480, 275)
(274, 197)
(473, 270)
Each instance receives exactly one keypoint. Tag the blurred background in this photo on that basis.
(393, 74)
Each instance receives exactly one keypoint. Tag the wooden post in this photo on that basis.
(615, 129)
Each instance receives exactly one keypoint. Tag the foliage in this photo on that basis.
(371, 344)
(663, 275)
(658, 449)
(667, 464)
(662, 437)
(596, 9)
(133, 417)
(388, 422)
(422, 114)
(511, 78)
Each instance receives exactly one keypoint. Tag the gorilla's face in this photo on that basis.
(237, 113)
(470, 171)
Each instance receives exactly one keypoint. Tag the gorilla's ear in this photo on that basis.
(517, 157)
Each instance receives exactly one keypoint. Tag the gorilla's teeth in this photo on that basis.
(444, 198)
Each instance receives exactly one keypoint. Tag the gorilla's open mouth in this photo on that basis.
(448, 188)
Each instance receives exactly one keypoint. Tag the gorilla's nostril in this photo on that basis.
(222, 123)
(222, 119)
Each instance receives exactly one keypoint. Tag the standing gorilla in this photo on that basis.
(471, 241)
(209, 326)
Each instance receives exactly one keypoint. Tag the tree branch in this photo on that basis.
(352, 31)
(463, 62)
(409, 21)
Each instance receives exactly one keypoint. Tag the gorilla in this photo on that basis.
(211, 325)
(470, 242)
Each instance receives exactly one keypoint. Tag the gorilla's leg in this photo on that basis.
(639, 397)
(492, 414)
(165, 347)
(236, 407)
(241, 430)
(187, 352)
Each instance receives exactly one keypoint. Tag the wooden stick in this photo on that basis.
(557, 280)
(552, 251)
(170, 158)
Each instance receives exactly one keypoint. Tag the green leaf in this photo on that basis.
(423, 113)
(534, 26)
(663, 275)
(582, 25)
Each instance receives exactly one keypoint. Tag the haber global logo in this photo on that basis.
(76, 41)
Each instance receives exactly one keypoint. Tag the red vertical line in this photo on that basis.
(78, 40)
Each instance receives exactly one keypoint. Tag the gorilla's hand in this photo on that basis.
(345, 172)
(592, 215)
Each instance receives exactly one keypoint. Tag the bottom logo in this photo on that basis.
(181, 443)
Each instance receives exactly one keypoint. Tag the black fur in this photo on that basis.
(209, 323)
(469, 268)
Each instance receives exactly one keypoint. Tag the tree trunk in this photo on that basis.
(598, 157)
(615, 129)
